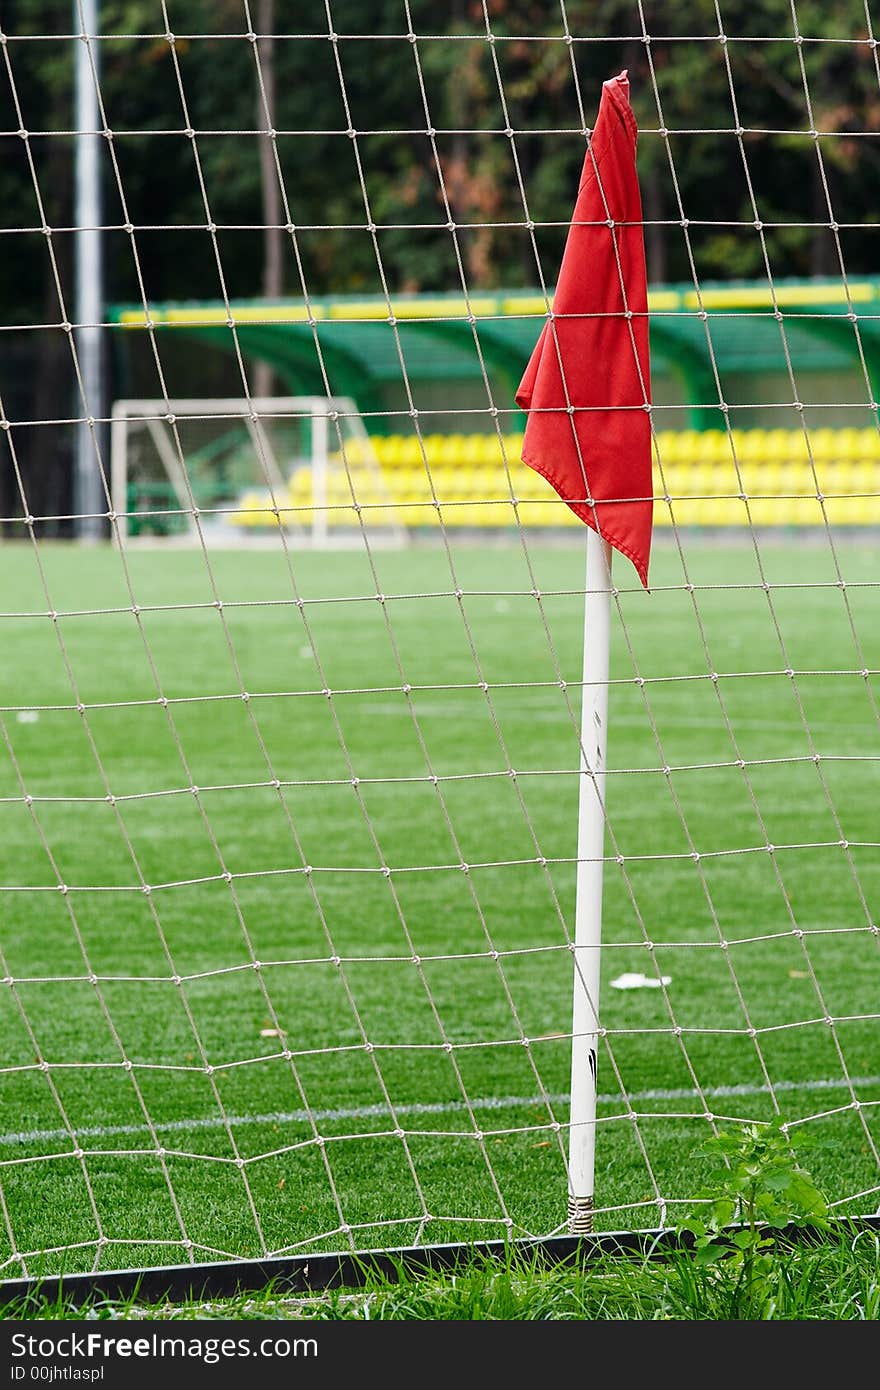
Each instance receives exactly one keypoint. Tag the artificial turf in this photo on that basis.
(254, 1003)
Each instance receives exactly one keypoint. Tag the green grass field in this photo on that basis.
(163, 1099)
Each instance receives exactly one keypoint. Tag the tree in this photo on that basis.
(395, 175)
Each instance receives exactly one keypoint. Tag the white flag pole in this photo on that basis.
(588, 900)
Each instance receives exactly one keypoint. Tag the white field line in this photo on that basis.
(364, 1112)
(553, 711)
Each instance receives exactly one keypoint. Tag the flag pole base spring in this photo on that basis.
(580, 1215)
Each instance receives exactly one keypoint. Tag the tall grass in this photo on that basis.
(835, 1278)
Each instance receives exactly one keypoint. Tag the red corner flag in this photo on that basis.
(588, 379)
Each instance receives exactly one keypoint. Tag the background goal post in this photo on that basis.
(243, 468)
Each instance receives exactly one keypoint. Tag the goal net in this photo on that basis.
(306, 699)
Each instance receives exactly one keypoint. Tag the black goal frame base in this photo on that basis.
(306, 1275)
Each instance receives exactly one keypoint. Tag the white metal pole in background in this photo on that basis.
(89, 500)
(588, 902)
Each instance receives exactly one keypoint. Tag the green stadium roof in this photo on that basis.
(822, 325)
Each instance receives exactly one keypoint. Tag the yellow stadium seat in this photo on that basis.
(752, 479)
(870, 443)
(849, 443)
(800, 446)
(481, 483)
(706, 478)
(300, 484)
(666, 444)
(382, 447)
(823, 444)
(790, 483)
(489, 449)
(416, 484)
(690, 446)
(545, 513)
(777, 446)
(410, 451)
(470, 450)
(715, 447)
(255, 508)
(434, 446)
(513, 444)
(525, 483)
(753, 447)
(840, 480)
(468, 483)
(773, 477)
(452, 449)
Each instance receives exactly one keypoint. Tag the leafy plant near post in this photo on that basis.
(756, 1190)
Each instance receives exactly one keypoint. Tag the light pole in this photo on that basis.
(89, 498)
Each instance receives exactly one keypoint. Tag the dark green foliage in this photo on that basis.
(684, 80)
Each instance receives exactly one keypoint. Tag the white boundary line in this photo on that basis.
(417, 1108)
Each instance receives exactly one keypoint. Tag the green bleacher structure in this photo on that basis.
(796, 365)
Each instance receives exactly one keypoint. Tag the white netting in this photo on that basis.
(290, 830)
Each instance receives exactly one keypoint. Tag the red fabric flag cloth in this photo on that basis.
(591, 356)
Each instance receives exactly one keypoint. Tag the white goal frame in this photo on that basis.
(329, 415)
